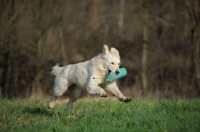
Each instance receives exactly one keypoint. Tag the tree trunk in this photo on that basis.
(4, 74)
(195, 40)
(107, 24)
(121, 15)
(195, 33)
(144, 60)
(62, 46)
(8, 41)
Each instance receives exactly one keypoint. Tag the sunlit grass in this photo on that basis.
(101, 115)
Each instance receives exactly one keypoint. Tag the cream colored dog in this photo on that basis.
(88, 75)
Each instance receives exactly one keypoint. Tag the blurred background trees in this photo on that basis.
(159, 43)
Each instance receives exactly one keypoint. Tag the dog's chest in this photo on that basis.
(100, 78)
(102, 73)
(100, 81)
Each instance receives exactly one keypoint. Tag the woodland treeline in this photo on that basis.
(158, 40)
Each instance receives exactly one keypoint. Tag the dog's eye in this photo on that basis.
(119, 64)
(112, 63)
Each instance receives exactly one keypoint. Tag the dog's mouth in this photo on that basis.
(109, 71)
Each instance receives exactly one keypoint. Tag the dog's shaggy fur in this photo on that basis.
(88, 75)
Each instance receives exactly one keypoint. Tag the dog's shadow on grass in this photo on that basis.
(36, 111)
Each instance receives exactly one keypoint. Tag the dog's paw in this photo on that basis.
(51, 105)
(104, 95)
(126, 99)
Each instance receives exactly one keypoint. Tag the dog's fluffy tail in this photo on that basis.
(56, 69)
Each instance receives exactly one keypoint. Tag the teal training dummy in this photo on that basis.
(112, 76)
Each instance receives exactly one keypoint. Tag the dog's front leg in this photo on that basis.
(95, 89)
(112, 87)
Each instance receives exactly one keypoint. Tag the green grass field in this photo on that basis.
(89, 115)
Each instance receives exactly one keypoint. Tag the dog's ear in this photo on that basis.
(105, 49)
(114, 51)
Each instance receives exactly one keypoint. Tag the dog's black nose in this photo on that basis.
(117, 72)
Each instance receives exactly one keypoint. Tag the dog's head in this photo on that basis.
(111, 59)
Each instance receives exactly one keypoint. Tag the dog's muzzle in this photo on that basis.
(117, 72)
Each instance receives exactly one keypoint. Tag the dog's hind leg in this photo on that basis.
(59, 89)
(52, 102)
(74, 94)
(56, 93)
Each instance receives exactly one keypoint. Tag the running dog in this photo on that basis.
(90, 76)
